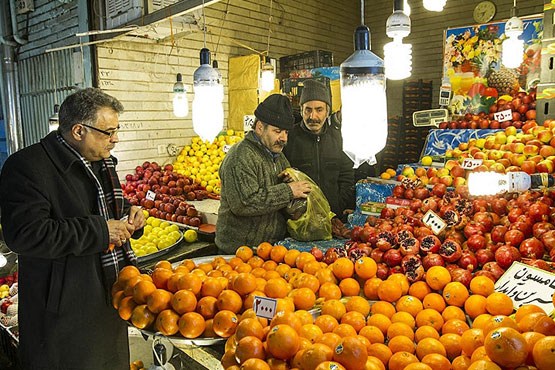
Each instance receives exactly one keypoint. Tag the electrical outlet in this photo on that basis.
(162, 149)
(24, 6)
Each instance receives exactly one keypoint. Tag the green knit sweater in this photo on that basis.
(252, 196)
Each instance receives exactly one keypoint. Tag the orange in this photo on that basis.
(224, 323)
(484, 365)
(285, 304)
(315, 355)
(277, 254)
(277, 288)
(189, 282)
(455, 326)
(428, 346)
(325, 275)
(461, 362)
(349, 287)
(525, 310)
(205, 267)
(330, 365)
(329, 339)
(142, 317)
(404, 317)
(302, 259)
(544, 353)
(437, 277)
(380, 321)
(159, 300)
(173, 280)
(455, 293)
(249, 347)
(218, 261)
(452, 344)
(129, 285)
(163, 264)
(189, 264)
(374, 363)
(400, 360)
(419, 289)
(545, 325)
(429, 317)
(263, 250)
(506, 347)
(372, 333)
(243, 267)
(249, 326)
(345, 330)
(475, 305)
(436, 361)
(358, 304)
(312, 267)
(116, 298)
(471, 339)
(425, 331)
(343, 268)
(481, 320)
(128, 272)
(212, 273)
(250, 314)
(269, 265)
(326, 322)
(366, 268)
(355, 319)
(528, 322)
(142, 290)
(228, 360)
(310, 332)
(255, 262)
(399, 328)
(453, 312)
(334, 308)
(283, 341)
(308, 281)
(292, 274)
(380, 351)
(291, 256)
(499, 321)
(385, 308)
(389, 291)
(191, 325)
(329, 291)
(277, 364)
(167, 322)
(248, 302)
(229, 300)
(211, 286)
(244, 283)
(304, 316)
(272, 274)
(434, 301)
(417, 366)
(206, 306)
(244, 253)
(402, 280)
(499, 304)
(288, 318)
(370, 288)
(351, 353)
(409, 304)
(235, 261)
(254, 364)
(184, 301)
(531, 338)
(401, 343)
(481, 285)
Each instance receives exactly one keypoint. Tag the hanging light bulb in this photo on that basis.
(397, 56)
(208, 112)
(267, 76)
(362, 91)
(53, 120)
(513, 47)
(180, 103)
(406, 7)
(434, 5)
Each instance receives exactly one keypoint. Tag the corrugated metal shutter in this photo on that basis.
(44, 80)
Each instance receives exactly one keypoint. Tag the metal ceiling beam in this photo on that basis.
(177, 9)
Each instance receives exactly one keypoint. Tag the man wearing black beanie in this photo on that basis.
(252, 191)
(315, 147)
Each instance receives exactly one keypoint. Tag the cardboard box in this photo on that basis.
(373, 190)
(391, 202)
(545, 102)
(372, 208)
(547, 66)
(548, 22)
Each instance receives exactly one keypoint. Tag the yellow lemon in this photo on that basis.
(426, 160)
(190, 236)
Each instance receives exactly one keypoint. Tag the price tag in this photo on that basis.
(226, 148)
(150, 195)
(526, 284)
(471, 163)
(264, 307)
(504, 115)
(248, 121)
(434, 222)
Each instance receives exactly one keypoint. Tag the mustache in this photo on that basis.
(280, 143)
(313, 121)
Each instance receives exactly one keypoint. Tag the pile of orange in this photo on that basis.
(362, 321)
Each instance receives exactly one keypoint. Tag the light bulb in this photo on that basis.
(180, 103)
(208, 111)
(53, 120)
(434, 5)
(513, 47)
(267, 77)
(397, 60)
(492, 183)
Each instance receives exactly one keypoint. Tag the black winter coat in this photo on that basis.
(321, 157)
(50, 218)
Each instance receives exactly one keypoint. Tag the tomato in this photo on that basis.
(490, 91)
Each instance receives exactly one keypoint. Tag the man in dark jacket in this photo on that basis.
(315, 147)
(62, 209)
(253, 190)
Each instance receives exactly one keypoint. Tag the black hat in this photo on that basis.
(276, 110)
(315, 90)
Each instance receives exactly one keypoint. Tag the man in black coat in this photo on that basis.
(315, 147)
(62, 209)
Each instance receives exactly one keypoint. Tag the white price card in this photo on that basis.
(504, 115)
(434, 222)
(150, 195)
(471, 163)
(264, 307)
(526, 284)
(248, 121)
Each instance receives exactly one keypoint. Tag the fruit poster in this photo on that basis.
(472, 64)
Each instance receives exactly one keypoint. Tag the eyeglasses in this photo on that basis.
(110, 133)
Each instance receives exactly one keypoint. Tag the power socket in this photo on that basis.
(24, 6)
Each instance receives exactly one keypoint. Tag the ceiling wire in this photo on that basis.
(222, 27)
(362, 11)
(269, 28)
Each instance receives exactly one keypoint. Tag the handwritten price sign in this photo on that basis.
(471, 163)
(264, 307)
(527, 285)
(150, 195)
(434, 222)
(504, 115)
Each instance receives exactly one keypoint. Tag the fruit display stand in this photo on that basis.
(8, 309)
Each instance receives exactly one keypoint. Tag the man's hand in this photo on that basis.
(284, 176)
(136, 218)
(300, 189)
(118, 231)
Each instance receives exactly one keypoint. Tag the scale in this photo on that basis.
(430, 117)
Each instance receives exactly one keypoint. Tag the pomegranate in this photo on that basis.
(429, 204)
(486, 274)
(455, 235)
(514, 237)
(462, 276)
(514, 213)
(383, 271)
(409, 245)
(498, 233)
(474, 228)
(548, 240)
(450, 250)
(392, 257)
(402, 235)
(531, 248)
(383, 244)
(430, 244)
(499, 206)
(432, 259)
(421, 193)
(480, 205)
(317, 253)
(376, 255)
(387, 213)
(398, 191)
(484, 219)
(484, 256)
(476, 242)
(494, 269)
(468, 261)
(539, 211)
(506, 255)
(412, 267)
(541, 227)
(422, 231)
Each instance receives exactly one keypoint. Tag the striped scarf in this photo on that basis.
(110, 206)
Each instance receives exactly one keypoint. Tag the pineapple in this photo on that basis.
(504, 80)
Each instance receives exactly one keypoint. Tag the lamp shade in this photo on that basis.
(208, 113)
(513, 47)
(267, 77)
(364, 105)
(180, 103)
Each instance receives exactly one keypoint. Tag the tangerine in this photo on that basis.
(249, 347)
(303, 298)
(224, 323)
(329, 290)
(207, 307)
(184, 301)
(499, 304)
(429, 346)
(455, 293)
(229, 300)
(400, 360)
(351, 353)
(434, 301)
(409, 304)
(358, 304)
(191, 325)
(343, 268)
(419, 289)
(370, 288)
(366, 268)
(544, 353)
(249, 327)
(452, 344)
(389, 291)
(381, 352)
(283, 341)
(372, 333)
(167, 322)
(349, 287)
(475, 305)
(244, 253)
(506, 347)
(142, 290)
(334, 308)
(355, 319)
(438, 277)
(326, 322)
(471, 339)
(142, 317)
(159, 300)
(482, 285)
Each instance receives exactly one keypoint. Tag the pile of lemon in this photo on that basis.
(157, 235)
(201, 160)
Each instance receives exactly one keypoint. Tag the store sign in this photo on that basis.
(471, 163)
(504, 115)
(526, 284)
(434, 222)
(265, 307)
(248, 122)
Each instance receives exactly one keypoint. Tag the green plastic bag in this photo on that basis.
(315, 222)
